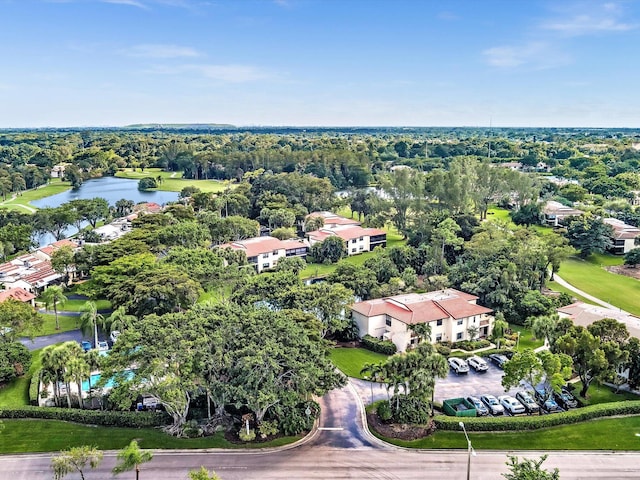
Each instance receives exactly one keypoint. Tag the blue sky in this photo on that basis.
(320, 62)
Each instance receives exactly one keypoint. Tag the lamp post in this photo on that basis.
(470, 450)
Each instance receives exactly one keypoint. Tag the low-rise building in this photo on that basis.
(332, 220)
(357, 238)
(450, 313)
(19, 294)
(624, 236)
(554, 212)
(264, 252)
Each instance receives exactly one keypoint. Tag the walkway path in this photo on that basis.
(596, 300)
(13, 197)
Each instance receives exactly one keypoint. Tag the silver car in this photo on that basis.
(526, 399)
(477, 363)
(511, 405)
(492, 404)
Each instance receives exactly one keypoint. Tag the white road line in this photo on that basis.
(331, 428)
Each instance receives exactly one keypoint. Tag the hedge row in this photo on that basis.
(90, 417)
(534, 422)
(34, 387)
(385, 347)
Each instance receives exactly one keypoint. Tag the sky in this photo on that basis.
(525, 63)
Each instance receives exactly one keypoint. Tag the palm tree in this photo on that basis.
(53, 296)
(92, 359)
(78, 370)
(131, 457)
(374, 372)
(51, 370)
(119, 320)
(90, 319)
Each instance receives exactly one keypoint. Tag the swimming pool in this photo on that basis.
(110, 383)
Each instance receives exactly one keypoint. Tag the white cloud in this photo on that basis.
(131, 3)
(535, 55)
(587, 20)
(231, 73)
(160, 51)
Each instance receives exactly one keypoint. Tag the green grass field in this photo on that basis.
(75, 305)
(21, 203)
(66, 324)
(16, 392)
(526, 341)
(592, 435)
(590, 276)
(351, 360)
(175, 183)
(53, 435)
(598, 393)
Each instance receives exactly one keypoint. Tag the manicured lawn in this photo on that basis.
(527, 340)
(66, 324)
(16, 393)
(53, 435)
(591, 435)
(351, 360)
(589, 276)
(76, 305)
(215, 295)
(175, 184)
(598, 393)
(22, 204)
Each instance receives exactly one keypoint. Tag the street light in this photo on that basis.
(470, 450)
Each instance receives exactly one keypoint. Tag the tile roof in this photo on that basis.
(331, 218)
(346, 232)
(259, 245)
(621, 230)
(416, 308)
(19, 294)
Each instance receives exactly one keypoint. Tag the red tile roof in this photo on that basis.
(259, 245)
(331, 218)
(18, 293)
(345, 232)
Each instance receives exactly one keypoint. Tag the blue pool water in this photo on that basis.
(95, 377)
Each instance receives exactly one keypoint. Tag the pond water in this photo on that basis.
(111, 189)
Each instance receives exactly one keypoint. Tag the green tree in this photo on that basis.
(119, 320)
(552, 370)
(529, 469)
(147, 183)
(130, 458)
(330, 250)
(15, 360)
(53, 296)
(588, 235)
(76, 459)
(632, 257)
(359, 279)
(90, 319)
(63, 261)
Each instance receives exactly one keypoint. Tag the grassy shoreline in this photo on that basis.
(173, 181)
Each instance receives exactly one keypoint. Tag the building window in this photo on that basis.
(438, 323)
(354, 250)
(265, 265)
(265, 255)
(439, 337)
(460, 322)
(459, 336)
(361, 248)
(387, 321)
(353, 241)
(275, 252)
(361, 238)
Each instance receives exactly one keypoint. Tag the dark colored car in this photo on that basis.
(498, 359)
(481, 410)
(546, 402)
(526, 399)
(565, 399)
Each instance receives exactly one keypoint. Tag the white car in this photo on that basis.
(492, 404)
(458, 365)
(477, 363)
(511, 405)
(103, 346)
(114, 336)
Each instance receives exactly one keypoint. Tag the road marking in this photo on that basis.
(330, 428)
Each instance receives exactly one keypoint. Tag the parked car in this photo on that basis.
(86, 346)
(498, 359)
(458, 365)
(477, 363)
(546, 402)
(526, 399)
(103, 346)
(511, 405)
(114, 336)
(481, 410)
(565, 399)
(492, 404)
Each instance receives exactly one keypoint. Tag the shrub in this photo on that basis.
(147, 183)
(468, 345)
(385, 347)
(410, 410)
(247, 436)
(91, 417)
(15, 360)
(535, 422)
(267, 428)
(443, 349)
(293, 419)
(384, 411)
(34, 387)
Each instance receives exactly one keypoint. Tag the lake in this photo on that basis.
(111, 189)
